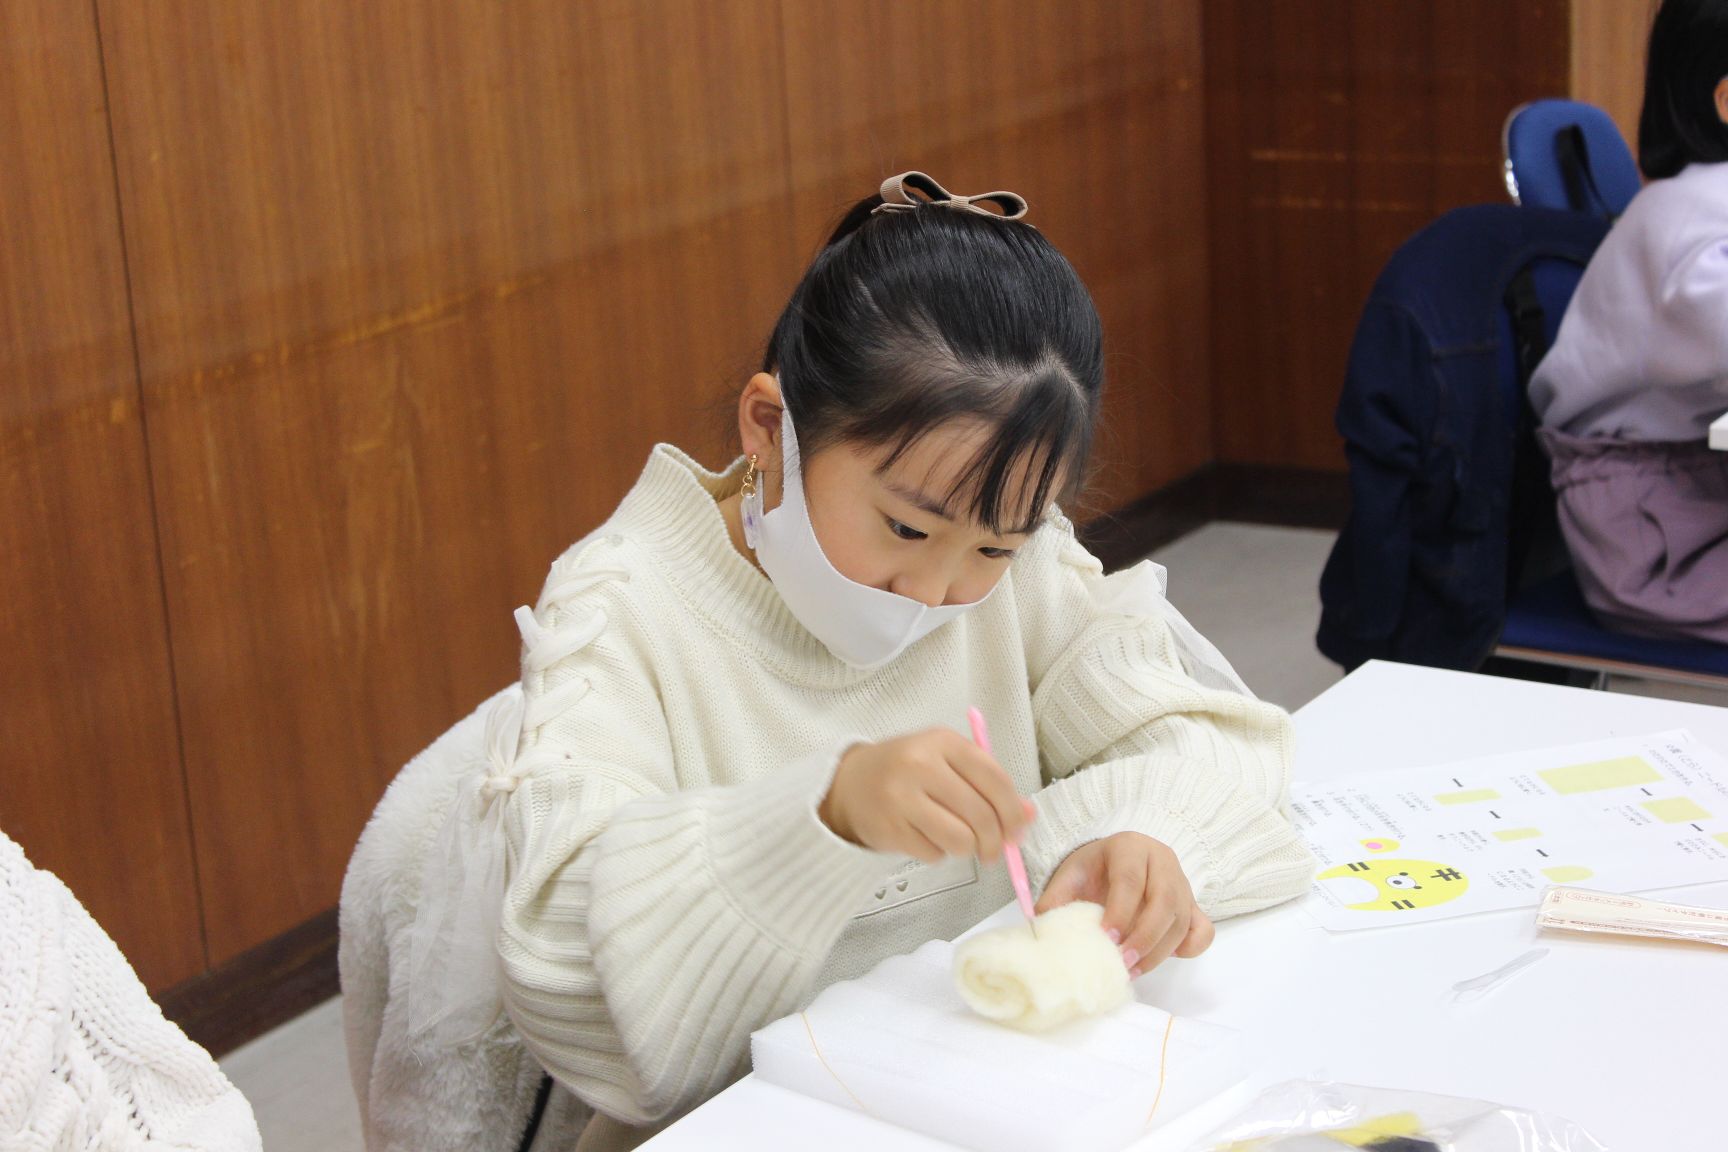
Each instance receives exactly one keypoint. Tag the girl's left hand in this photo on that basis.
(1149, 909)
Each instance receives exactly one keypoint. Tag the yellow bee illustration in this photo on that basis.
(1402, 885)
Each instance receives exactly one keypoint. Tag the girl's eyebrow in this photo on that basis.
(918, 499)
(929, 504)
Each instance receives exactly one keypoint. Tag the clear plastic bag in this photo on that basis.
(1312, 1116)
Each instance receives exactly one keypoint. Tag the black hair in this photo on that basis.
(1688, 58)
(909, 320)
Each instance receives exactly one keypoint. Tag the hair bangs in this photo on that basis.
(1036, 452)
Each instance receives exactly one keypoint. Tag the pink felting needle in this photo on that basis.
(1010, 850)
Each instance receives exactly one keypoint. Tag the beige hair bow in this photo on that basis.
(898, 196)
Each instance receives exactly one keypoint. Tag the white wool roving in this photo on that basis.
(1036, 982)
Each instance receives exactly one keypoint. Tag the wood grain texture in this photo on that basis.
(1091, 111)
(1336, 129)
(1610, 39)
(417, 287)
(91, 785)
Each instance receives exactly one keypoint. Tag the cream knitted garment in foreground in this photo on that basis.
(672, 889)
(87, 1062)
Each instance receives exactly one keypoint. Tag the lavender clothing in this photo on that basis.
(1647, 526)
(1642, 353)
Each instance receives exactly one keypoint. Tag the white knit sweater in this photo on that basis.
(87, 1061)
(671, 887)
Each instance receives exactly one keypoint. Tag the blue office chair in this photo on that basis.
(1546, 620)
(1568, 155)
(1433, 422)
(1548, 623)
(1452, 554)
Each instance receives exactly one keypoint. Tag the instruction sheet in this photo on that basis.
(1622, 815)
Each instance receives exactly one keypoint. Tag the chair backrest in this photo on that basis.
(1528, 322)
(1568, 155)
(1447, 485)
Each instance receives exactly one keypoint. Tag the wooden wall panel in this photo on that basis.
(91, 784)
(1336, 129)
(1609, 42)
(417, 286)
(1093, 113)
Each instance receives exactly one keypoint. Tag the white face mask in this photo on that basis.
(863, 626)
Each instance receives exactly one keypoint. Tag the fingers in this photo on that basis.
(958, 797)
(1149, 908)
(949, 833)
(988, 779)
(1200, 934)
(1151, 924)
(1062, 889)
(1163, 915)
(972, 786)
(1073, 880)
(1164, 945)
(1125, 889)
(917, 845)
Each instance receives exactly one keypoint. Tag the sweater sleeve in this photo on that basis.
(647, 928)
(1131, 742)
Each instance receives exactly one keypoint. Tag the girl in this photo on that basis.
(741, 773)
(1640, 366)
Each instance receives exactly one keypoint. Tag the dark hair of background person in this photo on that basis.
(1688, 58)
(910, 320)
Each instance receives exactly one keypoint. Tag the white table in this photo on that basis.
(1719, 433)
(1626, 1037)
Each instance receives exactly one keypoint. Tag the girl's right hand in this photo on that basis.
(928, 795)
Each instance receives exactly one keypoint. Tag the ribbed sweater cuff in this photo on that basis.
(1237, 853)
(784, 869)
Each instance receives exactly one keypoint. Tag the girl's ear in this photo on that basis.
(1722, 99)
(759, 409)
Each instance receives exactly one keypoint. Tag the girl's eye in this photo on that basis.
(998, 553)
(904, 531)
